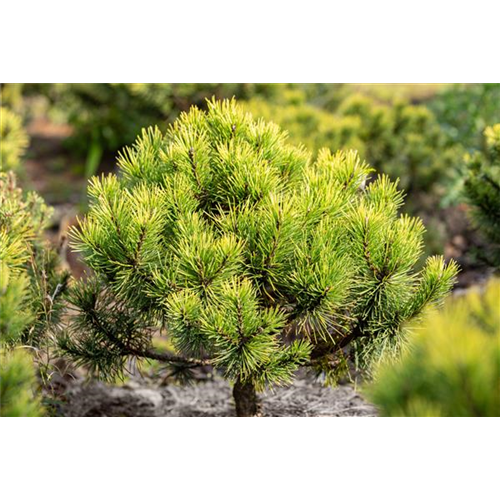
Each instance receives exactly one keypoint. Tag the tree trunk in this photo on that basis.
(245, 397)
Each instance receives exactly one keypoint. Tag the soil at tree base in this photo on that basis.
(212, 398)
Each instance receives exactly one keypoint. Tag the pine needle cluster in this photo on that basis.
(248, 255)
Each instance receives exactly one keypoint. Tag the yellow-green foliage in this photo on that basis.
(29, 277)
(233, 238)
(400, 139)
(17, 380)
(13, 140)
(452, 366)
(30, 290)
(309, 125)
(388, 92)
(108, 116)
(12, 95)
(492, 135)
(21, 222)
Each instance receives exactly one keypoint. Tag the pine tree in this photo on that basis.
(251, 258)
(452, 366)
(482, 191)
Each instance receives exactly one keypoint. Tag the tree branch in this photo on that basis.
(168, 358)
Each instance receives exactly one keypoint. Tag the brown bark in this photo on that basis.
(245, 397)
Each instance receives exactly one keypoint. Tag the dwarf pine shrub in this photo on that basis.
(13, 140)
(452, 366)
(482, 192)
(250, 257)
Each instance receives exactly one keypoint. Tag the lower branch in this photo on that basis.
(169, 358)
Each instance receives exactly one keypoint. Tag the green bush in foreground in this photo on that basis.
(452, 366)
(253, 259)
(17, 386)
(482, 192)
(13, 140)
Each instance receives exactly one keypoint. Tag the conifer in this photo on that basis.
(250, 257)
(109, 116)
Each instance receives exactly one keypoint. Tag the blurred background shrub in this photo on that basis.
(482, 192)
(451, 367)
(465, 110)
(400, 139)
(13, 140)
(32, 288)
(18, 386)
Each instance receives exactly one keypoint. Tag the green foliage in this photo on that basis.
(110, 328)
(13, 140)
(465, 110)
(399, 139)
(31, 291)
(109, 116)
(248, 255)
(31, 284)
(482, 191)
(452, 366)
(389, 92)
(17, 380)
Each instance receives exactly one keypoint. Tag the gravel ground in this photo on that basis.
(211, 398)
